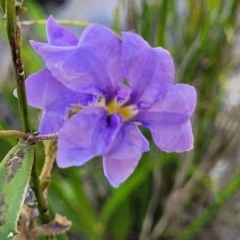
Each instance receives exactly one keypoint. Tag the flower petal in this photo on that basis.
(93, 66)
(45, 92)
(42, 88)
(105, 132)
(173, 106)
(76, 68)
(180, 97)
(58, 35)
(106, 46)
(89, 133)
(51, 122)
(173, 137)
(168, 118)
(149, 71)
(122, 159)
(148, 118)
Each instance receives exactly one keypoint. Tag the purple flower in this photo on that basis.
(98, 63)
(44, 91)
(56, 100)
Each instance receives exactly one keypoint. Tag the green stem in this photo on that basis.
(14, 36)
(42, 205)
(13, 133)
(31, 138)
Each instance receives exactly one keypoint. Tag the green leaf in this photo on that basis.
(120, 225)
(21, 11)
(15, 172)
(2, 5)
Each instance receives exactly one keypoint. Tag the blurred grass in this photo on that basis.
(210, 212)
(151, 203)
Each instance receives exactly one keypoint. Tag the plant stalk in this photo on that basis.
(14, 36)
(42, 205)
(13, 133)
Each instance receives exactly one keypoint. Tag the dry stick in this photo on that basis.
(36, 138)
(186, 161)
(45, 176)
(50, 155)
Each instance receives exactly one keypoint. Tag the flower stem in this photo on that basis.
(36, 138)
(13, 133)
(60, 21)
(14, 36)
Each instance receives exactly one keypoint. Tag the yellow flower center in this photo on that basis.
(126, 111)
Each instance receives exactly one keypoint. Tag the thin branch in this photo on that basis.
(37, 138)
(13, 133)
(60, 21)
(50, 155)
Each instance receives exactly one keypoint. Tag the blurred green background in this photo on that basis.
(193, 195)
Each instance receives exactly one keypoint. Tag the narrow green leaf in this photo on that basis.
(15, 172)
(161, 33)
(2, 5)
(119, 226)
